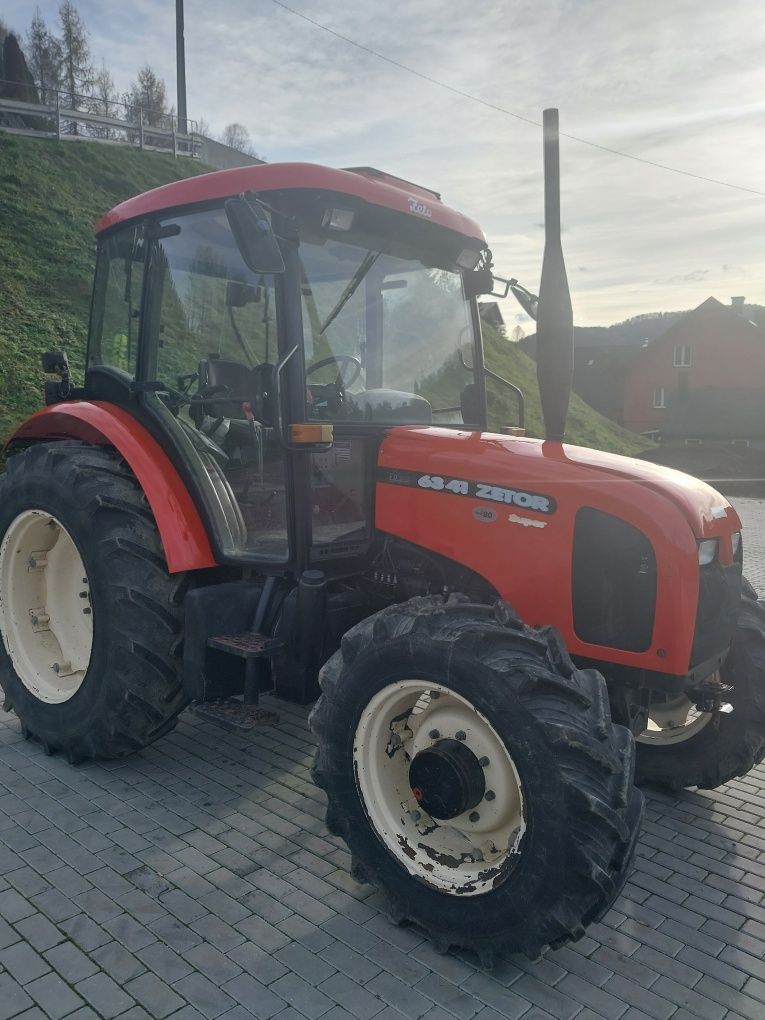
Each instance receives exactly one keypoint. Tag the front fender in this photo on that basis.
(183, 535)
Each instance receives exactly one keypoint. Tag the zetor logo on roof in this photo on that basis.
(418, 207)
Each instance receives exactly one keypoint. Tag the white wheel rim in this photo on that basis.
(674, 721)
(45, 610)
(466, 855)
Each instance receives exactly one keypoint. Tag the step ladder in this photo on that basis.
(231, 713)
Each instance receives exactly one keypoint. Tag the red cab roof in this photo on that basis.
(370, 185)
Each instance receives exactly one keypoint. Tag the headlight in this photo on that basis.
(736, 542)
(707, 551)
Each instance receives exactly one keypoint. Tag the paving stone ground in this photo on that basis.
(197, 880)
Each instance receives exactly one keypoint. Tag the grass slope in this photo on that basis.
(52, 193)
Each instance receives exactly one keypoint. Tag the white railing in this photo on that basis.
(86, 118)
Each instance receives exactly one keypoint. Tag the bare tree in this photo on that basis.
(148, 93)
(104, 100)
(44, 57)
(236, 136)
(77, 70)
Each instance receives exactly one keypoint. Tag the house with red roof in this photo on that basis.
(703, 378)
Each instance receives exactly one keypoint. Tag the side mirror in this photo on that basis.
(240, 294)
(477, 282)
(253, 234)
(529, 302)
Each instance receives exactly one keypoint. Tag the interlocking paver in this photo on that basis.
(104, 995)
(23, 962)
(53, 996)
(154, 995)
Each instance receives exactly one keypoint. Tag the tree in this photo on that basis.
(104, 100)
(44, 57)
(77, 70)
(19, 83)
(148, 93)
(236, 136)
(517, 334)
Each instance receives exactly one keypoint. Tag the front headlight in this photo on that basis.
(707, 551)
(736, 543)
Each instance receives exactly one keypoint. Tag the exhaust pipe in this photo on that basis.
(555, 318)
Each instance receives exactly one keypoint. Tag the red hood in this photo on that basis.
(707, 511)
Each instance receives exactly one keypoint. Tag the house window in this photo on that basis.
(682, 355)
(659, 397)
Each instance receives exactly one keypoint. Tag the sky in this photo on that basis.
(680, 83)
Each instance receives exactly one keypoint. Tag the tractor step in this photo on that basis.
(235, 715)
(248, 645)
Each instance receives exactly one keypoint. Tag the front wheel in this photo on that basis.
(476, 775)
(684, 747)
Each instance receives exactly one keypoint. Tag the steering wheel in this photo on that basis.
(343, 361)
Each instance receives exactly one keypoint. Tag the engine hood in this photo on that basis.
(529, 463)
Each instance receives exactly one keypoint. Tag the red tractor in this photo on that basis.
(278, 476)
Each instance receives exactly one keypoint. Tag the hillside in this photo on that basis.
(51, 195)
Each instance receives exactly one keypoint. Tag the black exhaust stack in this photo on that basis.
(555, 318)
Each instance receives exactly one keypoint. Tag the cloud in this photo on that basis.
(693, 277)
(677, 83)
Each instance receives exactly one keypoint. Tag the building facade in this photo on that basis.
(703, 378)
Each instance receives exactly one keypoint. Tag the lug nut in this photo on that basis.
(460, 735)
(87, 612)
(83, 594)
(474, 816)
(489, 795)
(434, 734)
(483, 762)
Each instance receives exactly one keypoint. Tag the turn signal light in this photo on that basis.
(305, 432)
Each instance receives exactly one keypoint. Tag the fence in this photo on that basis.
(64, 115)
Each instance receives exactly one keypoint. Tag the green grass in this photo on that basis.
(51, 195)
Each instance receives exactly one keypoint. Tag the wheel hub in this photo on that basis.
(46, 620)
(439, 787)
(446, 779)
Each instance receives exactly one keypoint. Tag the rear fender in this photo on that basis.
(183, 535)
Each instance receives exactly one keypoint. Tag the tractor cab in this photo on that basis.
(269, 336)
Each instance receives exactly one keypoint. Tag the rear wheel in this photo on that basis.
(476, 775)
(91, 622)
(684, 747)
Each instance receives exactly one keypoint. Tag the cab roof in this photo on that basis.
(370, 185)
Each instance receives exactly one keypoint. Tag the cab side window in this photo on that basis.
(117, 301)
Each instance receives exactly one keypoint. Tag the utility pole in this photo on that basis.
(180, 61)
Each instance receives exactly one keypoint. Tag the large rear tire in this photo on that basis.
(91, 621)
(709, 749)
(476, 775)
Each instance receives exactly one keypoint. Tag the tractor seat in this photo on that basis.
(224, 386)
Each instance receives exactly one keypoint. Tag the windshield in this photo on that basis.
(386, 338)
